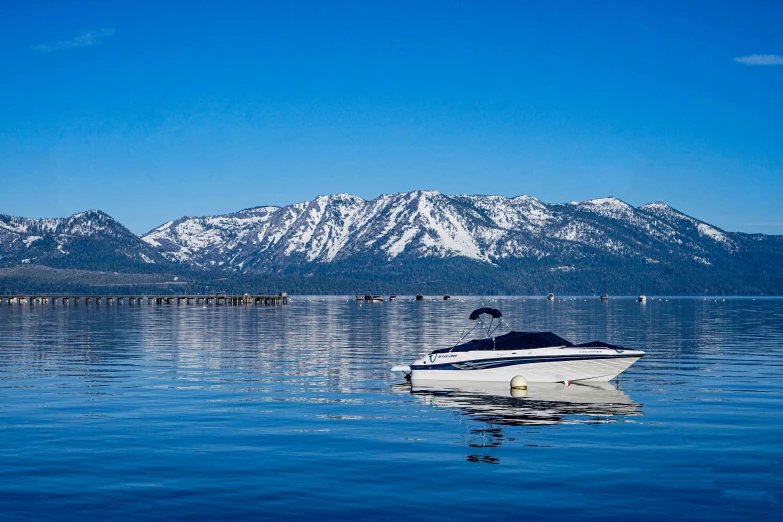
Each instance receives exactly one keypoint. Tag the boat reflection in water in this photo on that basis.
(540, 404)
(485, 408)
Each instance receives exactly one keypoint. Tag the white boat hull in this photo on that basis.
(540, 365)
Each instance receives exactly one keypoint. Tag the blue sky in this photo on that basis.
(151, 111)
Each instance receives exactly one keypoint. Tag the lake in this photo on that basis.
(190, 412)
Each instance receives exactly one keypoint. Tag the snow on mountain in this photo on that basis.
(419, 241)
(183, 239)
(422, 224)
(676, 218)
(86, 239)
(610, 207)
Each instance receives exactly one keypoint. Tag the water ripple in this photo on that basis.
(189, 412)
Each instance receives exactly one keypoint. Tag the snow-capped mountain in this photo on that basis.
(90, 240)
(427, 224)
(415, 241)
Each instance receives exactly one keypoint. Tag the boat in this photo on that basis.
(392, 297)
(419, 297)
(368, 298)
(446, 297)
(550, 297)
(642, 298)
(604, 297)
(359, 298)
(377, 299)
(536, 356)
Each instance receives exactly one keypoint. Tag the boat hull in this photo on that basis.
(536, 368)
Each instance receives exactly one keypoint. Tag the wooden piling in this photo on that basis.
(216, 300)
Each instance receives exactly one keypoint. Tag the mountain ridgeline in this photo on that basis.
(90, 240)
(421, 241)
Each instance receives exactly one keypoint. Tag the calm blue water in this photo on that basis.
(186, 412)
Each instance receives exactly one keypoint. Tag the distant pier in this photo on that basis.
(219, 300)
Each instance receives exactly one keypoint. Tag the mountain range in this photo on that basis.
(419, 241)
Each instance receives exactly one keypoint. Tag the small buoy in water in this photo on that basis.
(518, 383)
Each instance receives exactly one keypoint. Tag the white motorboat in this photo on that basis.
(536, 356)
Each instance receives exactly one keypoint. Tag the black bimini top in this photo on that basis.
(494, 312)
(511, 341)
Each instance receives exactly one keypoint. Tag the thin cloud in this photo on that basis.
(85, 39)
(760, 59)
